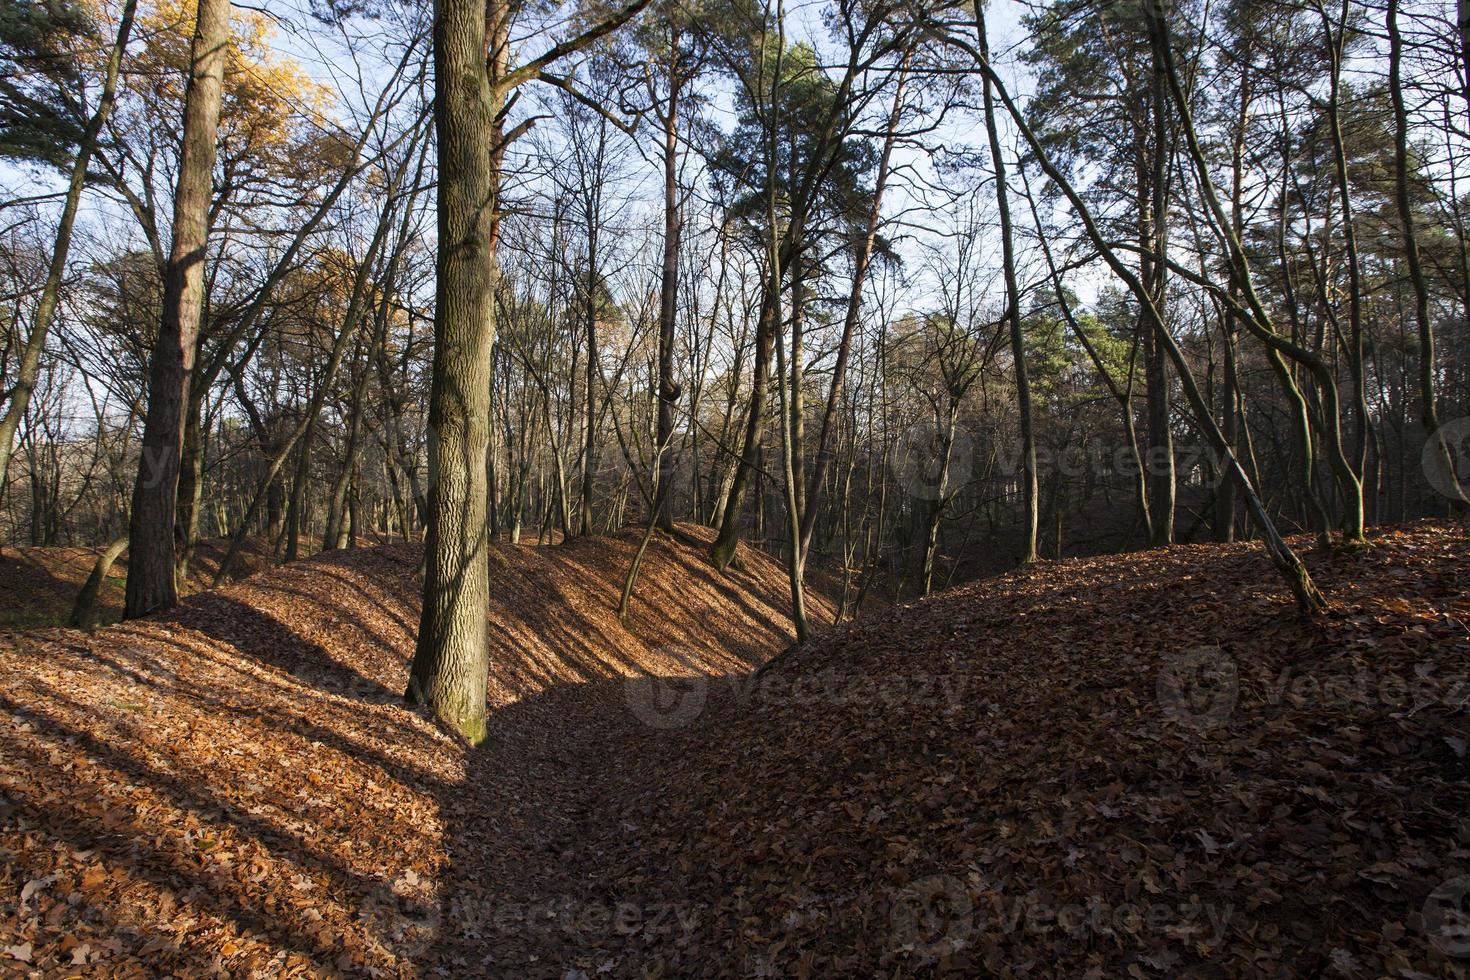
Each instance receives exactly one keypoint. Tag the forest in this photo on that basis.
(931, 464)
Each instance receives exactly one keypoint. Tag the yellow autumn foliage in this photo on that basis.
(275, 121)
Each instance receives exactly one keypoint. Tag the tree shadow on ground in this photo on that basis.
(537, 835)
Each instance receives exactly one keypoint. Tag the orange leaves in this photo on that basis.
(237, 789)
(987, 781)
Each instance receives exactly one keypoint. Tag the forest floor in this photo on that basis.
(1140, 765)
(39, 585)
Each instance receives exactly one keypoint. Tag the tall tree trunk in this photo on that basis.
(666, 391)
(794, 403)
(296, 510)
(1029, 489)
(1335, 41)
(151, 584)
(935, 516)
(1160, 455)
(790, 402)
(589, 448)
(1444, 477)
(723, 549)
(451, 659)
(1225, 494)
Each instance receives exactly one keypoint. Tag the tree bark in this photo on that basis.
(1029, 489)
(151, 585)
(451, 658)
(1159, 459)
(667, 392)
(83, 610)
(1446, 480)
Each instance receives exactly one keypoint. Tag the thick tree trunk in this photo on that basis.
(451, 660)
(151, 584)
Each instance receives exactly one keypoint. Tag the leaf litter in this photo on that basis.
(1140, 765)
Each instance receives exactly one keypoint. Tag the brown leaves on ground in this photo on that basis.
(39, 585)
(1145, 765)
(236, 790)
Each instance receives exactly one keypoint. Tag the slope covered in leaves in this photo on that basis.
(236, 790)
(1144, 765)
(39, 585)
